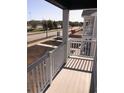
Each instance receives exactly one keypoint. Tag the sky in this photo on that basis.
(42, 10)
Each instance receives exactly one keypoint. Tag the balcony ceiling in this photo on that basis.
(74, 4)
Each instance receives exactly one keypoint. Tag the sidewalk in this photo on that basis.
(40, 40)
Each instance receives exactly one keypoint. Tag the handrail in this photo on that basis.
(35, 63)
(43, 70)
(55, 56)
(81, 47)
(57, 47)
(39, 74)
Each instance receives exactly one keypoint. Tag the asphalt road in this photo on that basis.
(41, 35)
(36, 35)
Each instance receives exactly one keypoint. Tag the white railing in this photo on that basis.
(74, 46)
(42, 71)
(38, 75)
(80, 47)
(88, 48)
(57, 58)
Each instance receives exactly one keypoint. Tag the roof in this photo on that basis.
(74, 4)
(88, 12)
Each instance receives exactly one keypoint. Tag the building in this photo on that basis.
(89, 31)
(65, 69)
(59, 26)
(29, 26)
(39, 26)
(89, 16)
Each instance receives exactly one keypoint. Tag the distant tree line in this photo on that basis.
(50, 24)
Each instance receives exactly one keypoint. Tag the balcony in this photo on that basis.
(71, 66)
(53, 74)
(75, 77)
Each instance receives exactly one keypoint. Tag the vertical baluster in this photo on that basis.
(41, 75)
(72, 48)
(88, 48)
(94, 49)
(47, 70)
(77, 47)
(37, 79)
(44, 69)
(29, 83)
(53, 63)
(84, 48)
(34, 81)
(50, 67)
(77, 44)
(72, 45)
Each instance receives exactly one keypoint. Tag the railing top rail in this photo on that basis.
(57, 48)
(87, 40)
(76, 39)
(38, 61)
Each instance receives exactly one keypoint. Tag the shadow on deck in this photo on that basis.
(74, 77)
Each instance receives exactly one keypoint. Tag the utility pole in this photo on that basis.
(46, 29)
(30, 15)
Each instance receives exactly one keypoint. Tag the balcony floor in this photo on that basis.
(75, 77)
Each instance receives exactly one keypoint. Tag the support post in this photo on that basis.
(68, 44)
(65, 31)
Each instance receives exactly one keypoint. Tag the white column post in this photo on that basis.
(94, 37)
(65, 31)
(95, 27)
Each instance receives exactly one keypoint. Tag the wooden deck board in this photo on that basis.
(69, 59)
(75, 63)
(72, 81)
(69, 62)
(79, 64)
(84, 64)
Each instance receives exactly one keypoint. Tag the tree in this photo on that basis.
(55, 24)
(50, 24)
(44, 23)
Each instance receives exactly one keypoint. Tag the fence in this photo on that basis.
(39, 75)
(57, 58)
(80, 47)
(42, 71)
